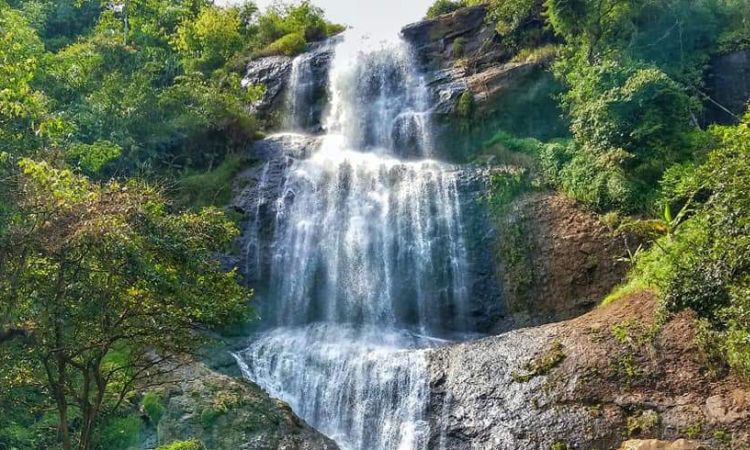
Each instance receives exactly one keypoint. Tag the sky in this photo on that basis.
(376, 17)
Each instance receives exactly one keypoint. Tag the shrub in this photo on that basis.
(210, 188)
(441, 7)
(182, 445)
(289, 45)
(153, 406)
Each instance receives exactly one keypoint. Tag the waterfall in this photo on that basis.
(369, 264)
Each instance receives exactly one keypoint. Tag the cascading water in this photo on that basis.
(369, 265)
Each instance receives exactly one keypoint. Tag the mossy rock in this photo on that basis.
(226, 413)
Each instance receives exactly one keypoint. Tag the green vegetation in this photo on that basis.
(632, 78)
(182, 445)
(212, 188)
(93, 274)
(441, 7)
(643, 423)
(104, 280)
(542, 365)
(153, 405)
(632, 75)
(120, 433)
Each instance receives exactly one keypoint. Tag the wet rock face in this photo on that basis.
(728, 84)
(555, 261)
(294, 87)
(226, 413)
(461, 53)
(257, 197)
(576, 384)
(262, 194)
(272, 73)
(306, 94)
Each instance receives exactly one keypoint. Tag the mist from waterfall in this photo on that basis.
(369, 262)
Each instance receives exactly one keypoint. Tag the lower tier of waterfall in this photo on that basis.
(364, 387)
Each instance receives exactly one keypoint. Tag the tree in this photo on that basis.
(24, 118)
(207, 42)
(109, 288)
(591, 25)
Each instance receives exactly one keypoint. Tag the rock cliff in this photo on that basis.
(592, 382)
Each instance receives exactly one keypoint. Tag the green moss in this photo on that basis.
(465, 105)
(643, 423)
(506, 186)
(694, 430)
(209, 416)
(458, 48)
(518, 273)
(542, 365)
(182, 445)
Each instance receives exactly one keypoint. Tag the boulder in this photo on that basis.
(226, 413)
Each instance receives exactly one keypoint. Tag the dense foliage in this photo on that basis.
(92, 276)
(105, 280)
(633, 95)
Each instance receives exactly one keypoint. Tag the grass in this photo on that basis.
(289, 45)
(535, 55)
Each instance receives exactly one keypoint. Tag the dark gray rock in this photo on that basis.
(728, 84)
(260, 190)
(273, 73)
(476, 404)
(307, 94)
(433, 40)
(306, 75)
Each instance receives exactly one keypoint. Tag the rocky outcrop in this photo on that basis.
(479, 84)
(593, 382)
(226, 413)
(304, 77)
(555, 260)
(728, 85)
(434, 40)
(273, 74)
